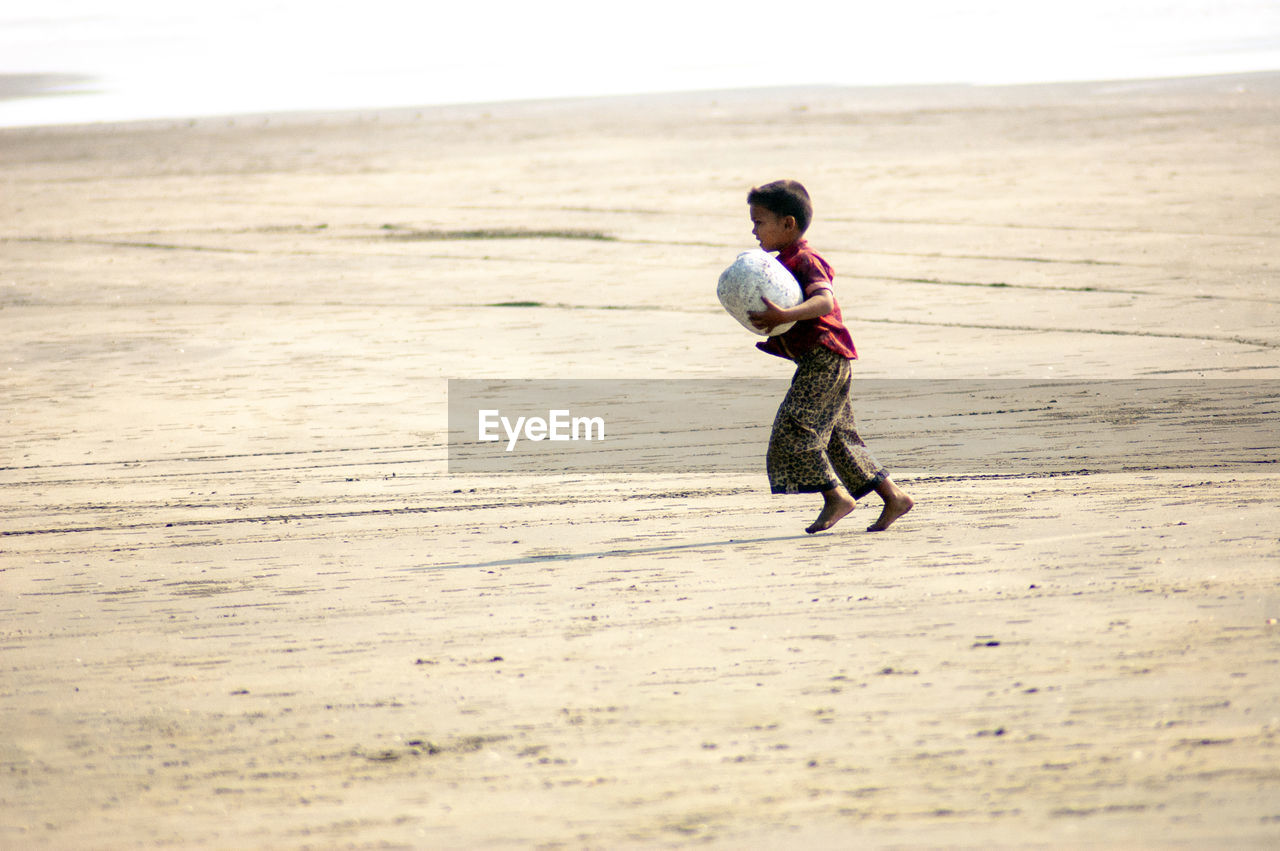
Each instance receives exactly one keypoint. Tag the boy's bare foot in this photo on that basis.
(896, 504)
(836, 504)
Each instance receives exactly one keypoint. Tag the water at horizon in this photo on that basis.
(79, 61)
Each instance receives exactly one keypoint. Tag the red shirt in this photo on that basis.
(814, 275)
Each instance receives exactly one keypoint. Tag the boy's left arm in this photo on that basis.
(819, 304)
(814, 278)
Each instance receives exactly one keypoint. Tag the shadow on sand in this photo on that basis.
(553, 557)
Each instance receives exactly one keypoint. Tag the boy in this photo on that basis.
(814, 446)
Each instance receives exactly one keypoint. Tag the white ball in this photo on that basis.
(754, 274)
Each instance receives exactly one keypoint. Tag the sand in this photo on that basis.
(245, 605)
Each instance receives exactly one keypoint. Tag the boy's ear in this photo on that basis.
(790, 223)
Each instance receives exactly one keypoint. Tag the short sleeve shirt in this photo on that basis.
(814, 276)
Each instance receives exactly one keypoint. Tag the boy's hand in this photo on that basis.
(767, 319)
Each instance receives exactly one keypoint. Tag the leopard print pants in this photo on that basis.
(815, 440)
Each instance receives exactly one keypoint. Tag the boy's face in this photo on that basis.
(772, 231)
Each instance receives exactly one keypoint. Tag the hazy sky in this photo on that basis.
(243, 55)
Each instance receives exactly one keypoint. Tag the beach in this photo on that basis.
(247, 604)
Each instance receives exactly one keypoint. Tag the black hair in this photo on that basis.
(784, 198)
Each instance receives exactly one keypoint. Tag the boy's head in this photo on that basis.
(780, 213)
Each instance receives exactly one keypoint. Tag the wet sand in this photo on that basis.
(245, 605)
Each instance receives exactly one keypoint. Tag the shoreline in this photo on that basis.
(28, 87)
